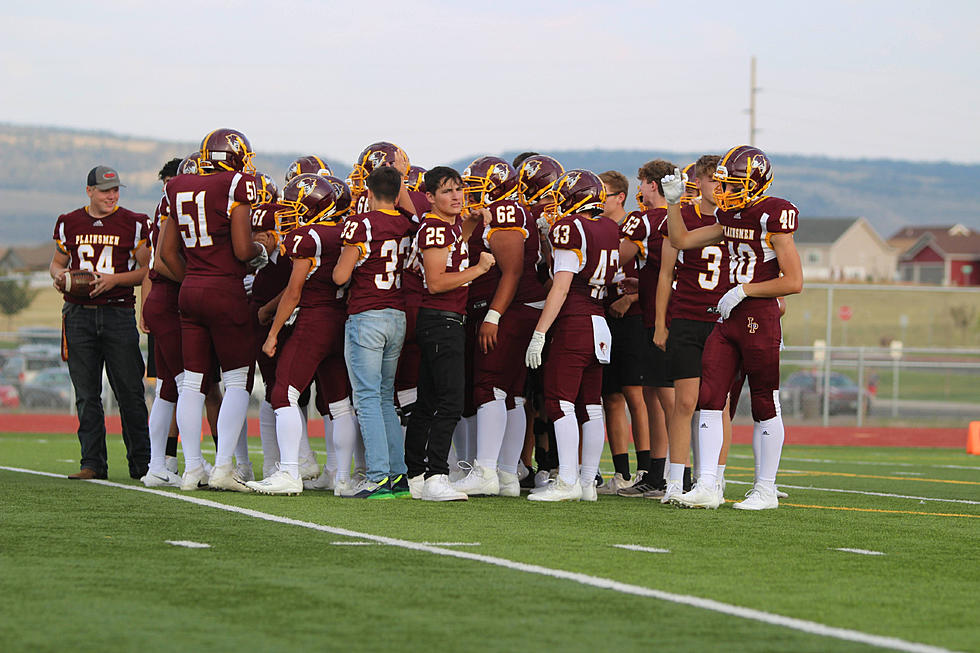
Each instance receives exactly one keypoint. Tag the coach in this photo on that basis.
(100, 327)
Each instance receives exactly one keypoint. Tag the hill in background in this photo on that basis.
(42, 172)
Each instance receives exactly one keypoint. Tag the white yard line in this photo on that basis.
(801, 625)
(864, 492)
(637, 547)
(356, 543)
(861, 462)
(864, 552)
(188, 544)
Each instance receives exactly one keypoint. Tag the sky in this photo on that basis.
(446, 80)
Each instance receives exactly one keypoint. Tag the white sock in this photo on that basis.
(161, 413)
(471, 437)
(513, 444)
(345, 441)
(757, 448)
(772, 437)
(695, 449)
(566, 434)
(241, 449)
(453, 458)
(593, 440)
(305, 450)
(491, 422)
(190, 412)
(675, 473)
(711, 439)
(721, 473)
(331, 464)
(233, 408)
(267, 433)
(289, 432)
(460, 442)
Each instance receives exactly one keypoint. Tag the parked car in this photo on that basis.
(9, 397)
(844, 392)
(27, 363)
(51, 388)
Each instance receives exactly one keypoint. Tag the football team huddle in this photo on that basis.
(460, 327)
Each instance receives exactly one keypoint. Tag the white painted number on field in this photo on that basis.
(863, 552)
(188, 544)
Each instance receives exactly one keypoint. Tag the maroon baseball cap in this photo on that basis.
(103, 178)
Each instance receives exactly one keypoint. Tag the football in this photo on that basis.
(78, 283)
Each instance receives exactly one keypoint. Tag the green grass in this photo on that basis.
(87, 564)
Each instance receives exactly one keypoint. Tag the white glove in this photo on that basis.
(673, 186)
(730, 300)
(533, 355)
(259, 261)
(544, 227)
(247, 282)
(292, 317)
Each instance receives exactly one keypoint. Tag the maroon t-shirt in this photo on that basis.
(747, 235)
(107, 245)
(506, 215)
(384, 239)
(595, 242)
(320, 244)
(700, 274)
(201, 207)
(616, 292)
(643, 229)
(435, 233)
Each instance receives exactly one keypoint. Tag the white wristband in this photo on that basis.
(493, 317)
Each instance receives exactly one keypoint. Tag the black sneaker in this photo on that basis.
(371, 490)
(399, 486)
(527, 483)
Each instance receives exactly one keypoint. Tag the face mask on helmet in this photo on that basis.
(576, 191)
(307, 199)
(744, 174)
(227, 149)
(266, 189)
(373, 156)
(487, 180)
(691, 191)
(415, 179)
(536, 176)
(639, 201)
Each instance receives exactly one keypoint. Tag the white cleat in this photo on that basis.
(614, 484)
(700, 496)
(780, 494)
(758, 498)
(558, 490)
(346, 488)
(161, 478)
(194, 479)
(522, 471)
(438, 488)
(281, 482)
(309, 468)
(589, 491)
(324, 481)
(674, 490)
(244, 472)
(171, 464)
(415, 485)
(720, 490)
(508, 484)
(223, 478)
(479, 482)
(541, 478)
(462, 470)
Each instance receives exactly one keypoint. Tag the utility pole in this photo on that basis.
(752, 90)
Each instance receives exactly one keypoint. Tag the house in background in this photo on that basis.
(844, 249)
(948, 255)
(19, 260)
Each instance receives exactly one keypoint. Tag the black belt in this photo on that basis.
(434, 312)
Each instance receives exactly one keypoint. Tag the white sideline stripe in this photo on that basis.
(810, 627)
(865, 552)
(861, 462)
(865, 492)
(188, 544)
(637, 547)
(356, 543)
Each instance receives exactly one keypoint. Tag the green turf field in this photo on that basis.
(87, 566)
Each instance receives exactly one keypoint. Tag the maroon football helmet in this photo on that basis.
(227, 149)
(266, 189)
(537, 174)
(191, 165)
(415, 179)
(308, 164)
(575, 191)
(487, 180)
(308, 199)
(344, 198)
(374, 155)
(746, 168)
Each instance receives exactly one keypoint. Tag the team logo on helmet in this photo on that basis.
(376, 158)
(306, 186)
(531, 167)
(760, 163)
(499, 172)
(572, 178)
(234, 142)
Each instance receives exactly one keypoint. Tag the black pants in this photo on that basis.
(106, 336)
(441, 341)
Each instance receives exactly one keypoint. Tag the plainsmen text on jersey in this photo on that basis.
(748, 234)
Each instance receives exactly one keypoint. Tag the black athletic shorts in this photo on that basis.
(655, 366)
(685, 344)
(626, 365)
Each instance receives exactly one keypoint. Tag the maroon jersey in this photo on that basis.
(616, 291)
(701, 273)
(747, 234)
(384, 239)
(434, 233)
(595, 242)
(411, 279)
(107, 245)
(643, 229)
(264, 216)
(320, 244)
(160, 214)
(201, 207)
(272, 278)
(506, 215)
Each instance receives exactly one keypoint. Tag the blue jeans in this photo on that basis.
(372, 344)
(107, 335)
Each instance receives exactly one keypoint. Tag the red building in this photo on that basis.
(945, 255)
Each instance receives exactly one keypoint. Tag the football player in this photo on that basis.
(622, 379)
(376, 246)
(504, 306)
(210, 251)
(312, 239)
(763, 265)
(440, 252)
(308, 164)
(586, 260)
(642, 240)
